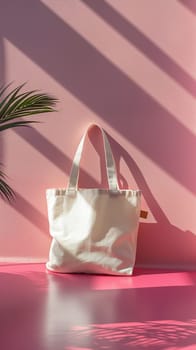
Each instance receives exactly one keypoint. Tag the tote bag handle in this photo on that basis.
(109, 161)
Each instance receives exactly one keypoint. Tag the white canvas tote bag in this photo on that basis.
(93, 230)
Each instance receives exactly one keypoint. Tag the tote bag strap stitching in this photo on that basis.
(109, 161)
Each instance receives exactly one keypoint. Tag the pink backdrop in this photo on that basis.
(130, 68)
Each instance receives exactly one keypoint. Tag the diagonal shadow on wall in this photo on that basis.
(30, 212)
(57, 158)
(53, 154)
(190, 4)
(95, 81)
(144, 44)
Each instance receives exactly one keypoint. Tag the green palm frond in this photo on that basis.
(19, 104)
(13, 107)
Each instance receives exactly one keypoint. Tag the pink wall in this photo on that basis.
(130, 68)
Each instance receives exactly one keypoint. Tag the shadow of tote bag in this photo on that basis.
(93, 230)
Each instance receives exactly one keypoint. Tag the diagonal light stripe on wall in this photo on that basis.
(144, 44)
(132, 62)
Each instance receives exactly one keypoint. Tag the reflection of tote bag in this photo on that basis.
(94, 230)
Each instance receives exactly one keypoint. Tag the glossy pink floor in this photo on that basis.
(44, 311)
